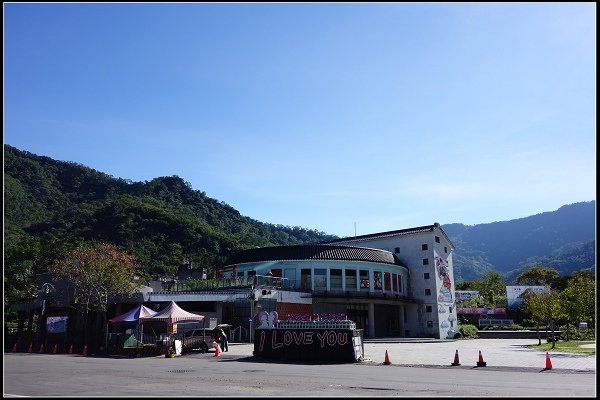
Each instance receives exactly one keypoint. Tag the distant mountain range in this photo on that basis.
(564, 239)
(165, 223)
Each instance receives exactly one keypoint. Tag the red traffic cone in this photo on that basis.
(548, 362)
(71, 349)
(386, 361)
(55, 349)
(85, 350)
(481, 363)
(14, 350)
(456, 362)
(41, 348)
(30, 349)
(217, 351)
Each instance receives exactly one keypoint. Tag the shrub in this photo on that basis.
(578, 334)
(467, 332)
(511, 327)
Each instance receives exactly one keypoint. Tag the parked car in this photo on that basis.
(199, 340)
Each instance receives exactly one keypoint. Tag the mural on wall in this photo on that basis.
(267, 320)
(445, 299)
(443, 274)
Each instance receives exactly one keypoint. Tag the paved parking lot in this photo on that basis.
(495, 352)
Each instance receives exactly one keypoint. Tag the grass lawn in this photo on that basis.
(572, 346)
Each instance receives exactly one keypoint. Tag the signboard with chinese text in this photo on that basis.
(516, 294)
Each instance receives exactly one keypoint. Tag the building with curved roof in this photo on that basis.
(397, 283)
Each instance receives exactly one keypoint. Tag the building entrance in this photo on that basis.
(360, 315)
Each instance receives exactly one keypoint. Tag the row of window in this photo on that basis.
(424, 247)
(430, 308)
(349, 279)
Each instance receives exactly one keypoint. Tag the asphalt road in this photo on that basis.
(238, 374)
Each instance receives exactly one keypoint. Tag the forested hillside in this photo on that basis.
(563, 239)
(51, 206)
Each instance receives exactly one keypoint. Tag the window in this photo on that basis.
(305, 279)
(430, 324)
(364, 279)
(426, 275)
(437, 239)
(276, 272)
(290, 275)
(423, 247)
(251, 276)
(350, 279)
(445, 249)
(427, 292)
(428, 308)
(397, 250)
(387, 281)
(426, 261)
(377, 278)
(335, 279)
(320, 278)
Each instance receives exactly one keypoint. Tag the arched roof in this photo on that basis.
(314, 252)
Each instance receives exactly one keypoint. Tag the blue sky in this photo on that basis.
(326, 116)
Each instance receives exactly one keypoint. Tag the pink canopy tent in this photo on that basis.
(132, 316)
(172, 314)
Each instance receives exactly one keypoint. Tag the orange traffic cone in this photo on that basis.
(386, 361)
(85, 350)
(481, 363)
(71, 349)
(41, 348)
(14, 350)
(55, 349)
(456, 362)
(30, 349)
(548, 362)
(217, 351)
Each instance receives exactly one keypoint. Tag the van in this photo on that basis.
(201, 340)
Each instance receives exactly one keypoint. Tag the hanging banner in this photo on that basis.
(56, 324)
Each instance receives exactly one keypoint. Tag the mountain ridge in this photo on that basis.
(164, 221)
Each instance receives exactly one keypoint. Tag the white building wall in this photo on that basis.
(435, 315)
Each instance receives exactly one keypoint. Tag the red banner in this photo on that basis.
(481, 311)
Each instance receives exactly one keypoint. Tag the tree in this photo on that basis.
(543, 308)
(493, 289)
(96, 273)
(578, 300)
(538, 276)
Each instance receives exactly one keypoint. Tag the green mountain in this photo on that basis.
(563, 239)
(50, 206)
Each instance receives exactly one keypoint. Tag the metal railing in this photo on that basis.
(239, 334)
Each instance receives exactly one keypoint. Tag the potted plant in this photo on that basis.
(170, 352)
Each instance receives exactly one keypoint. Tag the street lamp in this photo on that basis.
(44, 291)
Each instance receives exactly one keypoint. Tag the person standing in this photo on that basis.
(224, 341)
